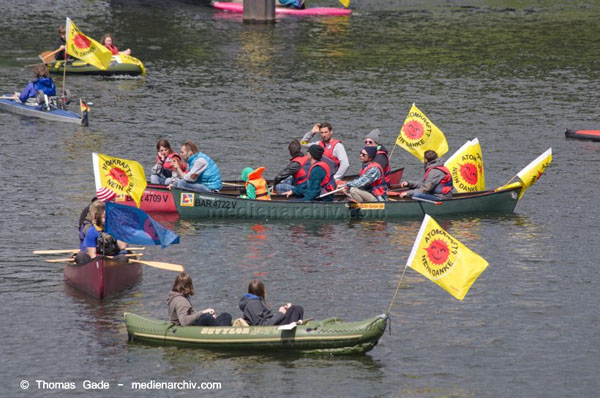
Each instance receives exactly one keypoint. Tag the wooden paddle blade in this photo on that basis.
(48, 56)
(158, 264)
(60, 260)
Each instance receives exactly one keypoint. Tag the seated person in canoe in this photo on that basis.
(257, 312)
(42, 83)
(256, 185)
(96, 242)
(295, 172)
(163, 169)
(370, 185)
(334, 149)
(108, 42)
(436, 183)
(202, 173)
(320, 177)
(382, 157)
(181, 311)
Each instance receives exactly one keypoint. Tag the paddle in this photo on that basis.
(230, 184)
(332, 192)
(75, 250)
(47, 56)
(158, 264)
(71, 259)
(437, 203)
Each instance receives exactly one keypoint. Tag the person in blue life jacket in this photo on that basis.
(370, 185)
(320, 179)
(42, 82)
(257, 312)
(436, 183)
(203, 175)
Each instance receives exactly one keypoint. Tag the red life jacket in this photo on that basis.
(329, 150)
(445, 185)
(302, 174)
(113, 49)
(327, 185)
(379, 186)
(166, 164)
(386, 168)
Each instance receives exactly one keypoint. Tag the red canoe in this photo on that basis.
(102, 276)
(159, 199)
(592, 135)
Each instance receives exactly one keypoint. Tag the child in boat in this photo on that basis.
(162, 172)
(257, 312)
(43, 82)
(256, 185)
(181, 311)
(108, 42)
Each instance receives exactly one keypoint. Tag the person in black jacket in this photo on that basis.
(257, 313)
(295, 172)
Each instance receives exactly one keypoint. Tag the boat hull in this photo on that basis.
(323, 11)
(327, 336)
(102, 277)
(57, 115)
(589, 135)
(118, 66)
(212, 205)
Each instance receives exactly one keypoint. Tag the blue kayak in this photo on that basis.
(59, 115)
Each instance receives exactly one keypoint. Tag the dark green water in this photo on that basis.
(515, 74)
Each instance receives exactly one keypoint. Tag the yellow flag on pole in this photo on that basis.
(532, 172)
(418, 135)
(122, 176)
(466, 167)
(444, 260)
(86, 49)
(345, 3)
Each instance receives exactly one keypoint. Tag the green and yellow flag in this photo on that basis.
(86, 49)
(531, 173)
(122, 176)
(418, 135)
(466, 167)
(444, 260)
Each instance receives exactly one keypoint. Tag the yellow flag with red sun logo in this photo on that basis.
(466, 167)
(418, 135)
(86, 49)
(122, 176)
(531, 173)
(444, 260)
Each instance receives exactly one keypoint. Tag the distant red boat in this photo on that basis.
(591, 135)
(159, 199)
(103, 277)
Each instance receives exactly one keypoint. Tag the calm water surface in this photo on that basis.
(515, 74)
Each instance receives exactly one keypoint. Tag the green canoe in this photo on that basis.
(213, 205)
(120, 65)
(330, 335)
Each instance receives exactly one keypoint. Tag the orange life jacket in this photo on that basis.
(445, 185)
(328, 150)
(260, 184)
(328, 183)
(302, 174)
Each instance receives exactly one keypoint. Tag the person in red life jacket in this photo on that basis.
(162, 171)
(334, 149)
(256, 185)
(370, 185)
(382, 157)
(108, 42)
(319, 180)
(436, 184)
(295, 172)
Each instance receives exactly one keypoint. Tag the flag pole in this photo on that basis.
(67, 28)
(397, 289)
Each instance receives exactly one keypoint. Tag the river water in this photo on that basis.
(514, 74)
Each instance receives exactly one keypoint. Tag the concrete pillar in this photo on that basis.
(259, 11)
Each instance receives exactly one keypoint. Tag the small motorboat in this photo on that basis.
(590, 135)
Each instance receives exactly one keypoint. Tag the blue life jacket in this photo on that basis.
(211, 176)
(46, 84)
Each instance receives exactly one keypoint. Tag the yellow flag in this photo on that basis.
(122, 176)
(128, 59)
(418, 135)
(532, 172)
(345, 3)
(444, 260)
(466, 167)
(86, 49)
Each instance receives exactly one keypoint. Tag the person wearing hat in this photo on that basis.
(320, 177)
(370, 185)
(333, 149)
(382, 157)
(256, 185)
(436, 183)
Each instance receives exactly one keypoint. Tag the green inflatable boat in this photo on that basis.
(329, 335)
